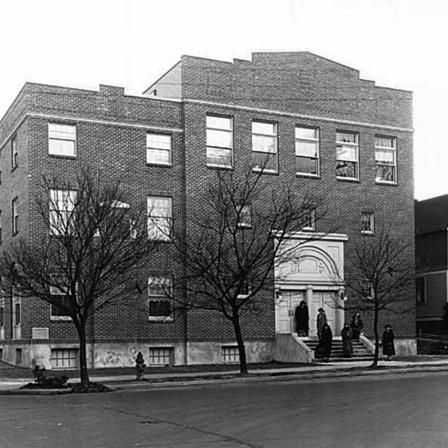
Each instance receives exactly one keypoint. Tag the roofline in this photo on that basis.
(160, 77)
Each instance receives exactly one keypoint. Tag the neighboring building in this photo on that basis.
(305, 118)
(431, 242)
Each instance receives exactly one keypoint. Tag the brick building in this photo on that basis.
(309, 119)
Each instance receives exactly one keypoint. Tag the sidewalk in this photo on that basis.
(176, 379)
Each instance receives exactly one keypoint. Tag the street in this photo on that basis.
(391, 411)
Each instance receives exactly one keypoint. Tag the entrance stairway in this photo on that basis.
(360, 351)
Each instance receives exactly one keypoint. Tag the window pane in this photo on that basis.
(62, 131)
(61, 147)
(219, 122)
(306, 133)
(346, 169)
(264, 128)
(158, 141)
(385, 173)
(159, 156)
(306, 165)
(263, 144)
(385, 156)
(221, 139)
(348, 153)
(308, 149)
(264, 161)
(386, 142)
(219, 157)
(346, 137)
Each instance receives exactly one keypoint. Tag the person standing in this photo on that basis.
(356, 325)
(321, 321)
(302, 319)
(388, 342)
(326, 342)
(347, 346)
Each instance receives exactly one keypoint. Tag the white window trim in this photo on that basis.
(52, 208)
(152, 220)
(169, 151)
(393, 150)
(275, 136)
(56, 154)
(164, 346)
(233, 347)
(57, 318)
(230, 131)
(312, 227)
(354, 145)
(155, 298)
(317, 158)
(15, 215)
(242, 224)
(372, 223)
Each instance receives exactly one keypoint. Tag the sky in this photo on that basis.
(130, 43)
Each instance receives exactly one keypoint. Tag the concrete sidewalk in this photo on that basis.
(319, 370)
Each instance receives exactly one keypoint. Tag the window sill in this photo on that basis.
(367, 233)
(60, 319)
(269, 172)
(161, 319)
(385, 182)
(220, 167)
(308, 176)
(348, 179)
(62, 156)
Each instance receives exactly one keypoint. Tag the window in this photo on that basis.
(161, 356)
(159, 218)
(61, 140)
(59, 297)
(219, 141)
(420, 290)
(307, 151)
(246, 289)
(159, 302)
(309, 219)
(230, 354)
(264, 146)
(61, 206)
(367, 223)
(347, 155)
(1, 228)
(14, 154)
(385, 159)
(15, 216)
(64, 358)
(17, 314)
(18, 356)
(2, 314)
(158, 149)
(244, 216)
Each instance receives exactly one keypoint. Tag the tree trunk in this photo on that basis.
(239, 340)
(377, 342)
(83, 372)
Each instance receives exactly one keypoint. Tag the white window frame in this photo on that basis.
(230, 354)
(161, 296)
(62, 136)
(158, 144)
(159, 218)
(14, 154)
(270, 136)
(371, 218)
(386, 149)
(340, 143)
(59, 292)
(211, 130)
(311, 218)
(308, 140)
(60, 208)
(244, 213)
(162, 350)
(71, 356)
(15, 215)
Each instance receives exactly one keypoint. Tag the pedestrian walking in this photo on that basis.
(356, 325)
(388, 342)
(347, 346)
(302, 319)
(321, 321)
(326, 342)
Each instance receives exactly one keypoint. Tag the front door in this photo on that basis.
(328, 301)
(284, 310)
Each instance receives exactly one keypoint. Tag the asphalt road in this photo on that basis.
(392, 411)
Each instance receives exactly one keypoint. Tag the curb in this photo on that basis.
(213, 379)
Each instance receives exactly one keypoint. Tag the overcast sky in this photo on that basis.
(130, 43)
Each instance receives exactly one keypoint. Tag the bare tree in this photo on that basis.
(382, 278)
(87, 255)
(234, 241)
